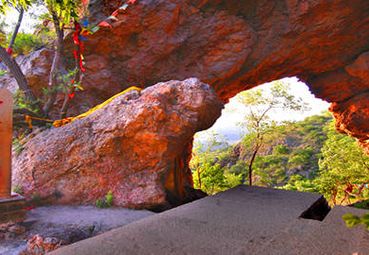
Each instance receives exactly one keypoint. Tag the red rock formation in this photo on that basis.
(137, 147)
(235, 45)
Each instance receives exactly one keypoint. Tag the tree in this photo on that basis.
(258, 118)
(62, 14)
(344, 168)
(203, 161)
(6, 54)
(209, 173)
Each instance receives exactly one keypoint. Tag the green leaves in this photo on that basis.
(66, 10)
(353, 220)
(5, 5)
(106, 202)
(343, 163)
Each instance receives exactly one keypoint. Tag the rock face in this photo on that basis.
(137, 147)
(235, 45)
(36, 68)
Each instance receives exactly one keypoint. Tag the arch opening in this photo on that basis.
(293, 150)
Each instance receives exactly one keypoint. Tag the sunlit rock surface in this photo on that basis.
(137, 147)
(232, 45)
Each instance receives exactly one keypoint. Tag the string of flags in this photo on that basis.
(82, 30)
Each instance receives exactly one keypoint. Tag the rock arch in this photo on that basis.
(235, 45)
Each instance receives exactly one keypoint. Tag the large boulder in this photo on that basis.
(137, 147)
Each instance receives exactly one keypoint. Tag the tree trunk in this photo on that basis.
(56, 64)
(199, 177)
(13, 66)
(251, 163)
(16, 71)
(16, 29)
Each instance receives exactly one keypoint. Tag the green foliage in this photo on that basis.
(18, 189)
(208, 174)
(18, 145)
(2, 72)
(344, 168)
(26, 43)
(65, 10)
(21, 102)
(300, 183)
(43, 30)
(259, 124)
(5, 5)
(353, 220)
(106, 202)
(270, 170)
(64, 85)
(286, 160)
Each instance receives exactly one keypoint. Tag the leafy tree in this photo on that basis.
(62, 13)
(300, 183)
(258, 120)
(5, 54)
(208, 173)
(344, 168)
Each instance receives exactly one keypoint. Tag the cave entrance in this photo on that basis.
(284, 144)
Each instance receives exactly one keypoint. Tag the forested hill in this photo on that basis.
(308, 155)
(288, 149)
(291, 148)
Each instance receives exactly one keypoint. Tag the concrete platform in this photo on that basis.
(243, 220)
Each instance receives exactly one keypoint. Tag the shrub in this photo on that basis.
(106, 202)
(26, 43)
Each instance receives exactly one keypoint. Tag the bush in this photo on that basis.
(26, 43)
(106, 202)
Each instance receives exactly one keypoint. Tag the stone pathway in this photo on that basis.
(243, 220)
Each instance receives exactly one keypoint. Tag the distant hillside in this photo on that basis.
(292, 148)
(288, 149)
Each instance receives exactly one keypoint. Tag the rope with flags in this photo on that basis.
(82, 31)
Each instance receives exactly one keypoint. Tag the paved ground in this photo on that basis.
(68, 223)
(239, 221)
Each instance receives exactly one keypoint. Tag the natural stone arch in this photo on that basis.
(235, 45)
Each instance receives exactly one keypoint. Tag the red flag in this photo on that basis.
(104, 24)
(115, 13)
(9, 51)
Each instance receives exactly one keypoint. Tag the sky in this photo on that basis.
(228, 124)
(28, 22)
